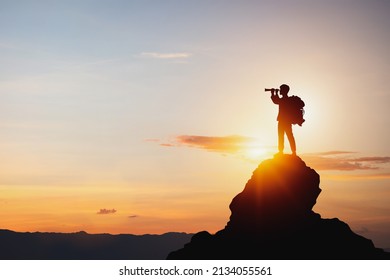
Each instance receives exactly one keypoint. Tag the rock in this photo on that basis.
(281, 193)
(272, 218)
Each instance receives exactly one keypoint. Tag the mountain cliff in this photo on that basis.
(272, 218)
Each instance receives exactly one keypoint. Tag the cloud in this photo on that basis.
(373, 159)
(369, 176)
(166, 55)
(222, 144)
(167, 145)
(246, 148)
(105, 211)
(342, 161)
(332, 153)
(250, 149)
(132, 216)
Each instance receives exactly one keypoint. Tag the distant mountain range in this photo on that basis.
(84, 246)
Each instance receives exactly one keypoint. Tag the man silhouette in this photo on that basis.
(284, 119)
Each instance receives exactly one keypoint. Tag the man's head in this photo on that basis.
(284, 89)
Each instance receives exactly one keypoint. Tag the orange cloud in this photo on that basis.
(105, 211)
(333, 153)
(132, 216)
(224, 144)
(338, 160)
(371, 176)
(373, 159)
(246, 148)
(250, 149)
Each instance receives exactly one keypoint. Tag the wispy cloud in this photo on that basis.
(365, 176)
(251, 149)
(247, 148)
(178, 55)
(334, 153)
(343, 161)
(221, 144)
(132, 216)
(373, 159)
(105, 211)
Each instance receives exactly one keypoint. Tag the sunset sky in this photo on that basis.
(150, 116)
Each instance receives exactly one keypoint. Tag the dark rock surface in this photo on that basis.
(272, 218)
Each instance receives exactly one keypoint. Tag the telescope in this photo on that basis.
(272, 89)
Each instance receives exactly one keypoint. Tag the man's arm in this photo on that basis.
(275, 97)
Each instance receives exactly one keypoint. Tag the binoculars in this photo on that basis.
(272, 89)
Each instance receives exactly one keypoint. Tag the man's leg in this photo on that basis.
(280, 137)
(290, 136)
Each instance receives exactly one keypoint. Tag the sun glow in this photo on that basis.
(255, 151)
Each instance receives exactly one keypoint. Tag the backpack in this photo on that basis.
(296, 110)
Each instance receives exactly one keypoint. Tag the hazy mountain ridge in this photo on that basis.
(81, 245)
